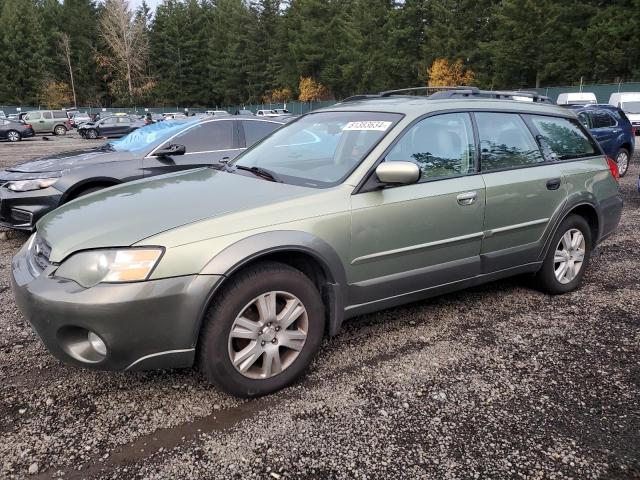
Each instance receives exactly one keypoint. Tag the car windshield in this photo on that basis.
(319, 149)
(631, 107)
(146, 136)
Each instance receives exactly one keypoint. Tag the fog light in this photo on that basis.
(97, 344)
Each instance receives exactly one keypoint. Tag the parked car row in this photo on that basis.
(33, 188)
(244, 266)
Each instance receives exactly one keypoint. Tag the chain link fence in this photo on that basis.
(602, 91)
(296, 108)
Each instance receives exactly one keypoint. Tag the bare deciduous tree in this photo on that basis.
(126, 39)
(65, 45)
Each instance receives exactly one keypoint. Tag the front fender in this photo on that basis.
(252, 248)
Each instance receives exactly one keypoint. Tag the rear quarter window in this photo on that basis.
(602, 119)
(564, 137)
(59, 115)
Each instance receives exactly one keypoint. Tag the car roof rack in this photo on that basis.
(431, 90)
(496, 94)
(439, 93)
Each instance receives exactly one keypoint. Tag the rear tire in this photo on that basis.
(13, 136)
(262, 330)
(59, 130)
(567, 258)
(622, 159)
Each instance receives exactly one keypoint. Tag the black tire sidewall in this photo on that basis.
(215, 360)
(547, 275)
(622, 174)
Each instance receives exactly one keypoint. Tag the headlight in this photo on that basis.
(27, 185)
(112, 266)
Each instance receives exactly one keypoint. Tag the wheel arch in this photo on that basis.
(586, 209)
(102, 182)
(301, 250)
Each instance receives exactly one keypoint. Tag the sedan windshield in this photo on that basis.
(631, 107)
(146, 136)
(319, 149)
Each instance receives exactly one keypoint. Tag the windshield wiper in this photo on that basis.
(261, 172)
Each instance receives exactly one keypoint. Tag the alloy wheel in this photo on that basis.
(268, 335)
(13, 136)
(569, 256)
(623, 162)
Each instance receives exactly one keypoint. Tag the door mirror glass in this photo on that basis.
(398, 173)
(173, 149)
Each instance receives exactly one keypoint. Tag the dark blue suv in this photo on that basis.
(612, 129)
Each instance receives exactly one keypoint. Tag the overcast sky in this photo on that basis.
(152, 4)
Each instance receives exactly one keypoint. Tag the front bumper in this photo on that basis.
(22, 210)
(145, 325)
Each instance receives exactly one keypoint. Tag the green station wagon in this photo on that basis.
(377, 201)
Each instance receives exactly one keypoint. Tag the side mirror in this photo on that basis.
(173, 149)
(398, 173)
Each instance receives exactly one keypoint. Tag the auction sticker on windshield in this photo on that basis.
(373, 125)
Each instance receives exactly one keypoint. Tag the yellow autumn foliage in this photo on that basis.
(312, 91)
(445, 73)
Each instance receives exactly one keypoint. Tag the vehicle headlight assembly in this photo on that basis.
(28, 185)
(109, 266)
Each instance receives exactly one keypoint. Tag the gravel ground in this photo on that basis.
(495, 382)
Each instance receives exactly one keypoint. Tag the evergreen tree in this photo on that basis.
(22, 61)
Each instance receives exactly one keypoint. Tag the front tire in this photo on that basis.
(262, 331)
(13, 136)
(567, 258)
(91, 134)
(622, 159)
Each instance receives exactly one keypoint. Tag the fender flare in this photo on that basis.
(239, 254)
(573, 201)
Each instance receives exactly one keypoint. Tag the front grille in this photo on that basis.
(39, 253)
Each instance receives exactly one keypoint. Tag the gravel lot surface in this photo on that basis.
(494, 382)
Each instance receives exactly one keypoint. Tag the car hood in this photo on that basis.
(634, 117)
(87, 124)
(129, 213)
(64, 161)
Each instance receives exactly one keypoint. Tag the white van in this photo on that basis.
(577, 98)
(629, 102)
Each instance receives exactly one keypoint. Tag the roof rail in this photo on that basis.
(388, 93)
(497, 94)
(437, 93)
(353, 98)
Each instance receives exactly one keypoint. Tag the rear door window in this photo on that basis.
(505, 142)
(47, 115)
(255, 130)
(442, 146)
(563, 137)
(124, 120)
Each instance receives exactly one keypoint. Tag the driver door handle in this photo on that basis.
(467, 198)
